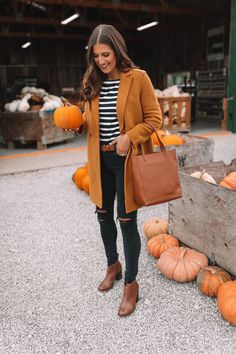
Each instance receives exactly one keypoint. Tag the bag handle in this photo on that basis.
(162, 146)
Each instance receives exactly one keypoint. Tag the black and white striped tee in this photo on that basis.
(108, 122)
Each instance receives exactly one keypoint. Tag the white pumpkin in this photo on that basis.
(204, 176)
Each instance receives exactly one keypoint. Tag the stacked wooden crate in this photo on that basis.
(176, 112)
(31, 126)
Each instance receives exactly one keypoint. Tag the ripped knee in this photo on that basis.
(102, 214)
(124, 220)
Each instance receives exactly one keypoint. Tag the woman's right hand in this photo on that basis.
(70, 130)
(77, 130)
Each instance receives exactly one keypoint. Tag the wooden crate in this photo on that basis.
(176, 112)
(204, 218)
(196, 150)
(31, 126)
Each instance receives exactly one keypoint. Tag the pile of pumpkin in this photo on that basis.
(184, 264)
(81, 178)
(167, 138)
(228, 181)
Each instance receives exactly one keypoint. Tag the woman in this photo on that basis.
(119, 103)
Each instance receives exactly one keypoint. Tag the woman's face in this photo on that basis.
(105, 58)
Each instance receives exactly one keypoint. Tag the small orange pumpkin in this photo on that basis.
(79, 175)
(154, 227)
(210, 278)
(226, 301)
(68, 117)
(229, 181)
(159, 244)
(181, 263)
(85, 183)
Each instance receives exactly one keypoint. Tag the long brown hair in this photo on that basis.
(93, 77)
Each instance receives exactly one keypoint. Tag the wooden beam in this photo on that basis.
(25, 35)
(136, 7)
(77, 24)
(231, 90)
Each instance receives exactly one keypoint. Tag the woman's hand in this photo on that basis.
(123, 144)
(78, 131)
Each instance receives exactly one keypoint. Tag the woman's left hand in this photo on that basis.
(123, 144)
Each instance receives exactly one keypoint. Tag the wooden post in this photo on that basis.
(231, 90)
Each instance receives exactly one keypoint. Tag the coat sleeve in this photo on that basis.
(151, 113)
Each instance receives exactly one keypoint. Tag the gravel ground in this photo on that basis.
(51, 261)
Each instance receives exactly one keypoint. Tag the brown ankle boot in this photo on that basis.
(114, 272)
(130, 297)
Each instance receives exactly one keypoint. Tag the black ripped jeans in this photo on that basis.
(112, 175)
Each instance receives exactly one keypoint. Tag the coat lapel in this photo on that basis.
(125, 82)
(95, 116)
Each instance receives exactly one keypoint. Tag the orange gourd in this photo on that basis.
(68, 117)
(154, 227)
(181, 263)
(226, 301)
(210, 278)
(229, 181)
(159, 244)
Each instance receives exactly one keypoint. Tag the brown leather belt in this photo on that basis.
(108, 147)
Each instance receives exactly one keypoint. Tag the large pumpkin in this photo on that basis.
(154, 227)
(210, 278)
(226, 301)
(68, 117)
(181, 263)
(159, 244)
(229, 181)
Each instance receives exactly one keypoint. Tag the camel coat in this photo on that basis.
(136, 104)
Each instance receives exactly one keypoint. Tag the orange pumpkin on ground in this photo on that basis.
(79, 175)
(159, 244)
(226, 301)
(229, 181)
(181, 263)
(81, 178)
(210, 278)
(85, 183)
(154, 227)
(68, 117)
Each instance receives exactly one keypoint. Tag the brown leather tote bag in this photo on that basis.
(156, 176)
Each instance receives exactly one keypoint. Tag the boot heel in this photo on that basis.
(119, 276)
